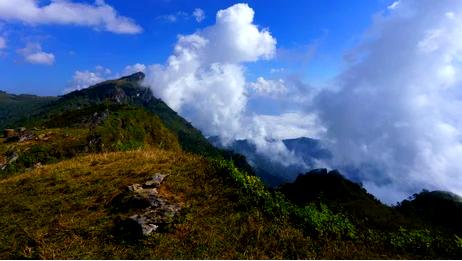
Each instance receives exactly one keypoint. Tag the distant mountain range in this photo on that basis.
(14, 107)
(308, 151)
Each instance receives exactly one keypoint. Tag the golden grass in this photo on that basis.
(63, 211)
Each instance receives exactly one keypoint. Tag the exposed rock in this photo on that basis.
(26, 136)
(21, 129)
(155, 182)
(152, 210)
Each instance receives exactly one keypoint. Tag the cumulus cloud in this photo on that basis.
(207, 84)
(199, 14)
(394, 114)
(99, 15)
(85, 79)
(33, 53)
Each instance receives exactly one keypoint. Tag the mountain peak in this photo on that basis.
(134, 77)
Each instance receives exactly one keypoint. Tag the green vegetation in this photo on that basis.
(95, 129)
(16, 107)
(62, 176)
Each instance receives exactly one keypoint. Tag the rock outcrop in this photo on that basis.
(149, 210)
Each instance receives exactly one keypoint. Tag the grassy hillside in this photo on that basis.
(65, 210)
(128, 91)
(82, 182)
(15, 107)
(93, 129)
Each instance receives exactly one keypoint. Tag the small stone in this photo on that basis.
(156, 181)
(135, 187)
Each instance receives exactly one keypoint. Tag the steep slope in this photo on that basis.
(128, 90)
(15, 107)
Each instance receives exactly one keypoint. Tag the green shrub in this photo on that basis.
(412, 240)
(312, 220)
(256, 193)
(321, 222)
(129, 128)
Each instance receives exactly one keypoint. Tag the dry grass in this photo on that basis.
(63, 211)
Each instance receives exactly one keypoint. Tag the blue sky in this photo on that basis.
(311, 37)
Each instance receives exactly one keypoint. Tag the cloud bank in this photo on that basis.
(393, 117)
(100, 15)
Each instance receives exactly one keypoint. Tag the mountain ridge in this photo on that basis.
(82, 181)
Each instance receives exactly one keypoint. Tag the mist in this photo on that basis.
(394, 114)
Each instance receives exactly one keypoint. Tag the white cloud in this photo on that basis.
(85, 79)
(268, 87)
(2, 43)
(207, 84)
(199, 15)
(100, 15)
(33, 53)
(130, 69)
(288, 125)
(395, 113)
